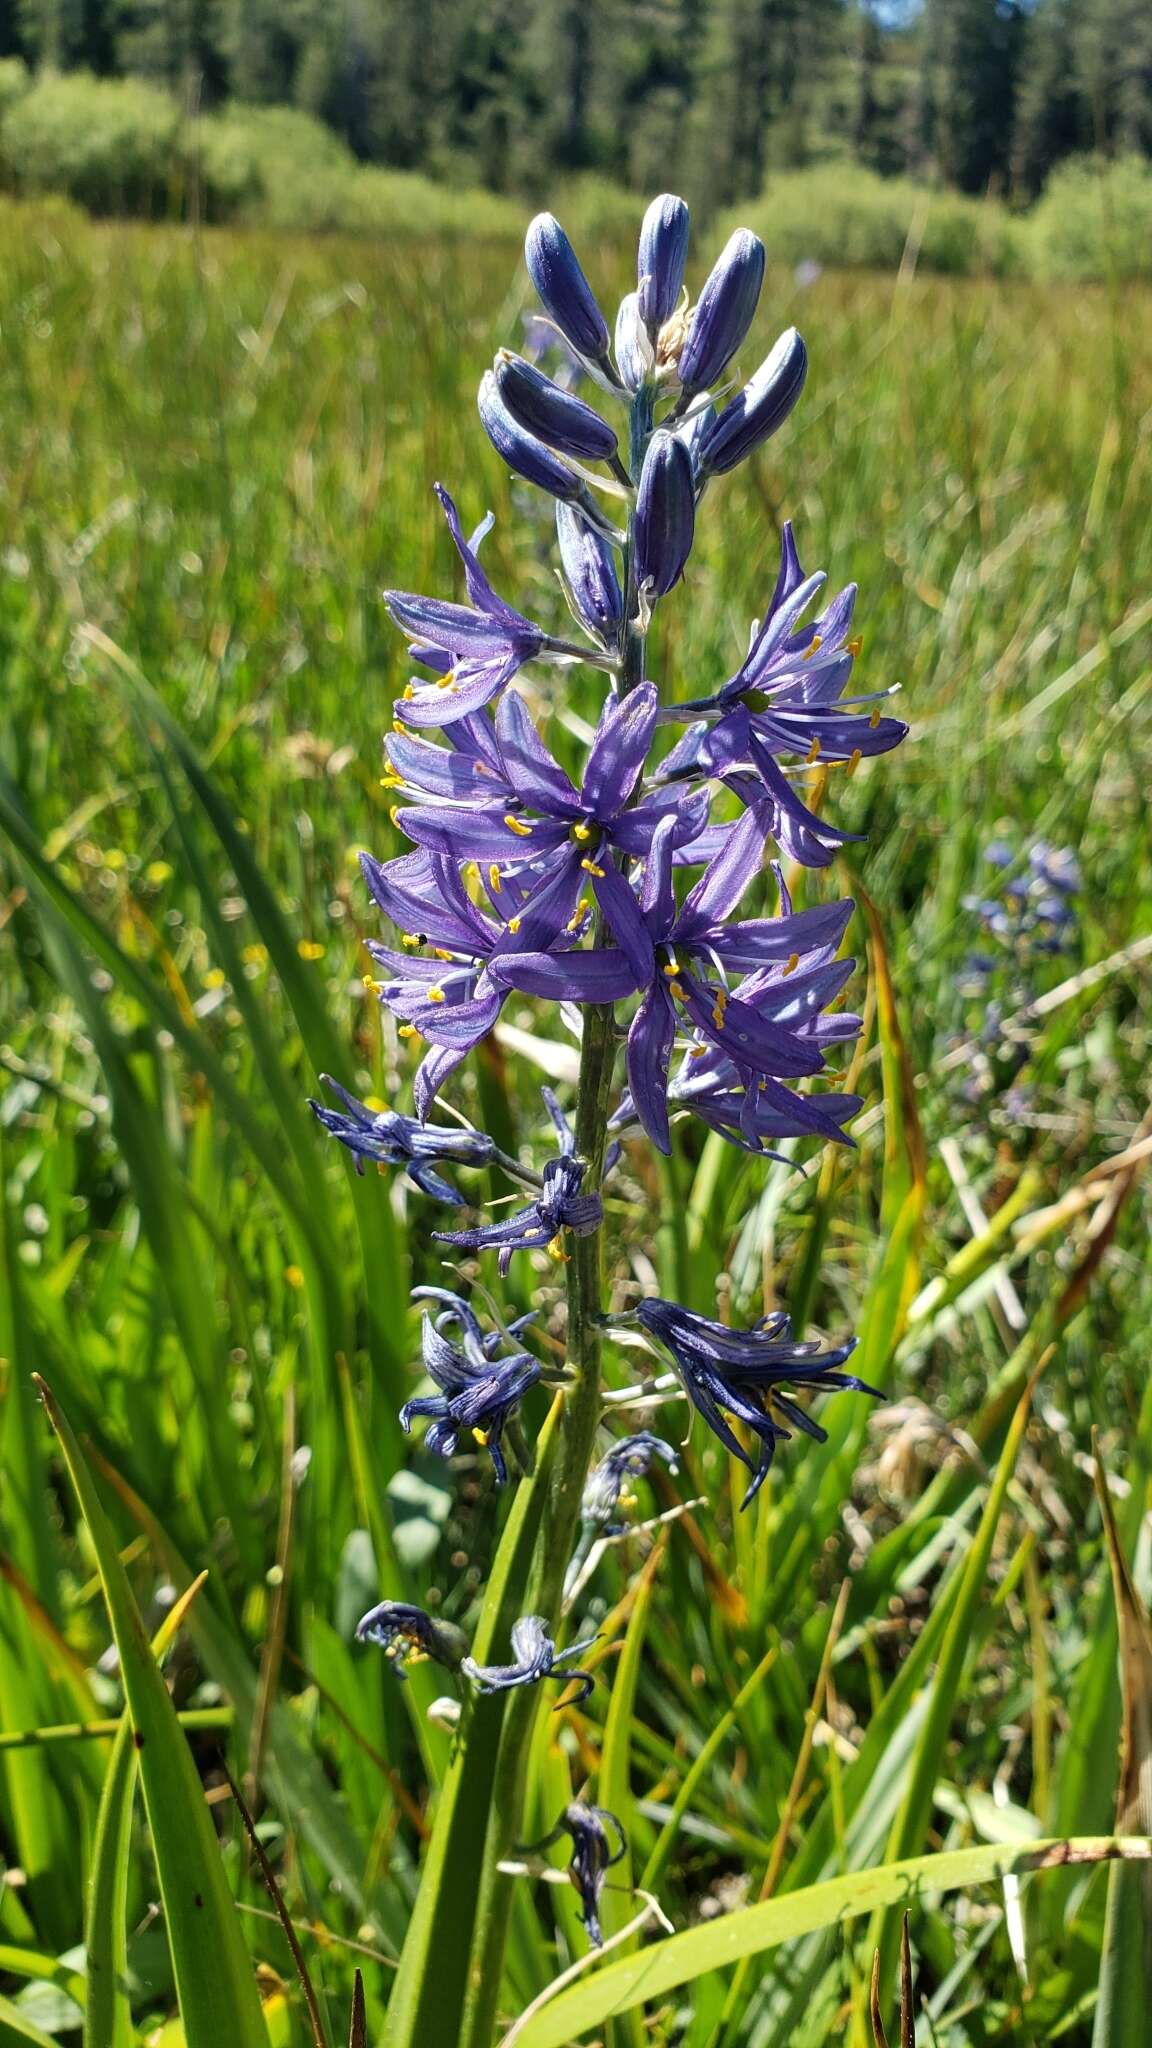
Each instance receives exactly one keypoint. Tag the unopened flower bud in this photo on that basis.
(557, 417)
(665, 514)
(590, 572)
(564, 290)
(635, 356)
(757, 411)
(522, 451)
(660, 262)
(723, 312)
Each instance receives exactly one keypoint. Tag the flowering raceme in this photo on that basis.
(643, 892)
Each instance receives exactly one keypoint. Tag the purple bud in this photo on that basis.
(590, 572)
(564, 290)
(555, 416)
(757, 411)
(665, 514)
(723, 312)
(660, 262)
(520, 449)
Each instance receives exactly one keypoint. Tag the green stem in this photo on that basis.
(579, 1422)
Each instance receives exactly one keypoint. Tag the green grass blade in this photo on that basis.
(215, 1983)
(637, 1979)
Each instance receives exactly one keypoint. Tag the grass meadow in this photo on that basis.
(214, 453)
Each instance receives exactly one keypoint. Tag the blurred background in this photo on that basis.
(253, 260)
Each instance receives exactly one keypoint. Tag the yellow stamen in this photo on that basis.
(447, 682)
(671, 972)
(310, 949)
(372, 985)
(590, 868)
(854, 763)
(698, 1052)
(470, 872)
(391, 782)
(514, 924)
(411, 939)
(394, 814)
(556, 1249)
(438, 953)
(401, 728)
(437, 995)
(676, 988)
(793, 963)
(407, 1031)
(580, 912)
(582, 832)
(855, 644)
(494, 877)
(480, 1436)
(813, 753)
(409, 691)
(518, 826)
(874, 718)
(813, 646)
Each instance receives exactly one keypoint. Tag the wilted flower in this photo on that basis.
(407, 1635)
(741, 1373)
(591, 1858)
(480, 1392)
(630, 1458)
(536, 1657)
(394, 1140)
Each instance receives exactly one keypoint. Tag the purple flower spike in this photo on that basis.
(590, 573)
(564, 290)
(762, 406)
(536, 1657)
(660, 260)
(723, 312)
(741, 1372)
(555, 416)
(665, 515)
(524, 453)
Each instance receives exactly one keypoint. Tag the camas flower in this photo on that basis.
(741, 1372)
(630, 1458)
(675, 956)
(558, 1207)
(476, 649)
(407, 1635)
(536, 1657)
(787, 697)
(592, 1856)
(479, 1391)
(394, 1140)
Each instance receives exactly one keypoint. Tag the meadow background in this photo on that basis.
(216, 447)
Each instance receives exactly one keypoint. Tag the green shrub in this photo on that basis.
(1094, 221)
(15, 81)
(842, 216)
(108, 143)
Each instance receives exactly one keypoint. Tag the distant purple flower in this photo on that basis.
(741, 1372)
(480, 1392)
(394, 1140)
(407, 1635)
(476, 648)
(592, 1856)
(630, 1457)
(536, 1657)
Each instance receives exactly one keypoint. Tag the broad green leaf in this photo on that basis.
(664, 1966)
(214, 1977)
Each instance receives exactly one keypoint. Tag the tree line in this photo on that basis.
(709, 95)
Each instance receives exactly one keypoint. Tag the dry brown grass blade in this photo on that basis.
(1134, 1791)
(358, 2032)
(907, 2019)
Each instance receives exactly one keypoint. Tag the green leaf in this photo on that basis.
(215, 1984)
(639, 1979)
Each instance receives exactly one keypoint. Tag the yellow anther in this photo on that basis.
(411, 939)
(698, 1052)
(813, 646)
(556, 1248)
(590, 868)
(447, 682)
(401, 728)
(294, 1276)
(583, 833)
(854, 763)
(408, 692)
(518, 826)
(391, 782)
(855, 644)
(372, 985)
(514, 924)
(416, 1656)
(376, 1104)
(310, 949)
(580, 912)
(813, 753)
(394, 814)
(480, 1436)
(793, 963)
(494, 877)
(671, 972)
(874, 717)
(470, 872)
(437, 995)
(438, 953)
(407, 1031)
(676, 988)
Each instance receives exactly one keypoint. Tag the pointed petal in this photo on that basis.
(626, 921)
(649, 1050)
(725, 879)
(532, 771)
(619, 751)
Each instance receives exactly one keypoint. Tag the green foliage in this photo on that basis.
(110, 144)
(1095, 221)
(839, 216)
(214, 453)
